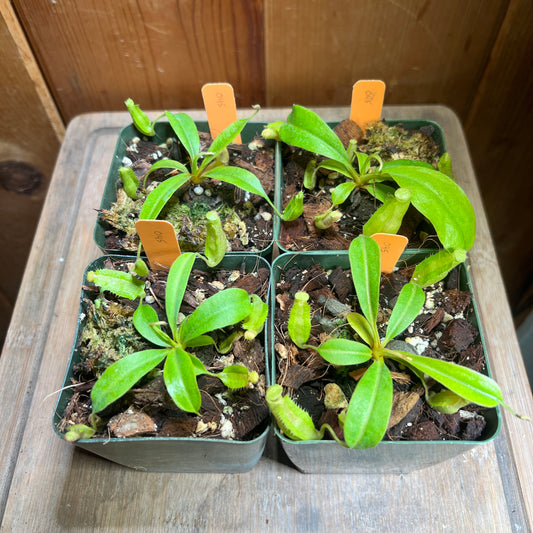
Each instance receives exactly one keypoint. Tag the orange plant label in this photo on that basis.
(159, 242)
(391, 247)
(219, 103)
(367, 102)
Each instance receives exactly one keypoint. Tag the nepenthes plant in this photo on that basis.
(173, 344)
(366, 417)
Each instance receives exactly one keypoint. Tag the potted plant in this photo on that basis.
(380, 372)
(168, 370)
(184, 175)
(347, 175)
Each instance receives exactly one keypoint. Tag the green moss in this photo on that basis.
(108, 335)
(395, 142)
(189, 220)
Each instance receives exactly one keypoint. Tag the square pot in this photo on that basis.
(388, 457)
(280, 227)
(163, 132)
(171, 454)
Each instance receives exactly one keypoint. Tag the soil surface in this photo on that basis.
(246, 218)
(442, 330)
(398, 143)
(148, 409)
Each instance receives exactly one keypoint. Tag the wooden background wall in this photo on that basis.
(63, 57)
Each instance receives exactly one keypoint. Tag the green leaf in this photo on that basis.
(336, 166)
(167, 164)
(342, 191)
(305, 129)
(139, 118)
(120, 377)
(344, 352)
(178, 276)
(228, 135)
(241, 178)
(158, 198)
(201, 340)
(142, 318)
(365, 264)
(362, 327)
(407, 307)
(299, 323)
(439, 199)
(234, 376)
(379, 190)
(310, 174)
(185, 128)
(294, 208)
(446, 402)
(224, 308)
(436, 267)
(180, 380)
(370, 407)
(123, 284)
(470, 385)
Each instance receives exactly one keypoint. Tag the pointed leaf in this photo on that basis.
(180, 380)
(122, 375)
(336, 166)
(158, 198)
(365, 264)
(178, 277)
(342, 191)
(440, 200)
(227, 136)
(370, 407)
(185, 128)
(224, 308)
(408, 306)
(470, 385)
(305, 129)
(241, 178)
(142, 318)
(344, 352)
(362, 327)
(122, 284)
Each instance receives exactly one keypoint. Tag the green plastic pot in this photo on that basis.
(163, 131)
(388, 457)
(170, 454)
(410, 124)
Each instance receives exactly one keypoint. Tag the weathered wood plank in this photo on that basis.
(499, 132)
(98, 53)
(55, 487)
(426, 51)
(31, 134)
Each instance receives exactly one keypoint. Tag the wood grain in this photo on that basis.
(48, 485)
(499, 132)
(31, 133)
(97, 53)
(426, 51)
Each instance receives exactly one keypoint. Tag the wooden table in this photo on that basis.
(48, 485)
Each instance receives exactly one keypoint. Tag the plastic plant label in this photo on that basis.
(219, 103)
(391, 247)
(367, 102)
(159, 242)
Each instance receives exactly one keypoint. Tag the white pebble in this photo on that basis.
(198, 190)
